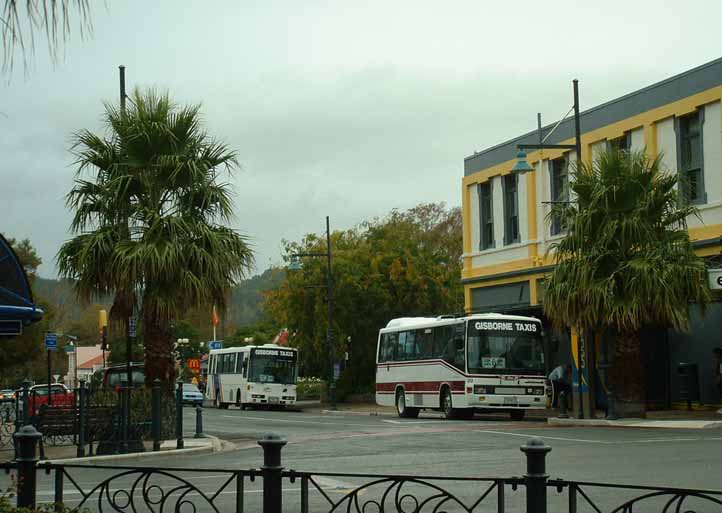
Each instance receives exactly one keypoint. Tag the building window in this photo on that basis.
(623, 143)
(559, 182)
(486, 216)
(689, 157)
(511, 209)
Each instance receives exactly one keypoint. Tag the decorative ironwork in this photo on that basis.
(659, 499)
(404, 494)
(7, 424)
(155, 490)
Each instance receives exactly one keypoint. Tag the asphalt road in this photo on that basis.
(427, 446)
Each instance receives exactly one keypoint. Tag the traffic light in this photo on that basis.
(103, 328)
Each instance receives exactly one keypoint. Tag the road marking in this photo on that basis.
(271, 419)
(415, 421)
(602, 442)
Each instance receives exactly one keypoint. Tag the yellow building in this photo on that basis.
(507, 228)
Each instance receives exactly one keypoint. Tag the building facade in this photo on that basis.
(508, 228)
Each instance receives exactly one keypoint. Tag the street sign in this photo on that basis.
(715, 279)
(215, 344)
(70, 348)
(132, 326)
(51, 341)
(336, 370)
(194, 364)
(11, 327)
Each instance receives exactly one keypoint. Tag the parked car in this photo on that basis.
(38, 396)
(192, 395)
(115, 374)
(7, 396)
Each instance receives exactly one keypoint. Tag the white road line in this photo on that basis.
(602, 442)
(415, 421)
(271, 419)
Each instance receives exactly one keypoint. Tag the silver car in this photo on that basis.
(192, 395)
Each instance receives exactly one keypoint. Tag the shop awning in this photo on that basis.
(17, 308)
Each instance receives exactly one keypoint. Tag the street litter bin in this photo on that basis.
(689, 380)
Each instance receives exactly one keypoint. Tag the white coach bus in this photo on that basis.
(459, 365)
(252, 375)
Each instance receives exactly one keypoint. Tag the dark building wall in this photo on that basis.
(696, 346)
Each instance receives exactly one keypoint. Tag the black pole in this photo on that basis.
(329, 332)
(123, 445)
(536, 477)
(578, 151)
(26, 402)
(27, 442)
(155, 415)
(50, 377)
(179, 416)
(121, 68)
(82, 412)
(272, 472)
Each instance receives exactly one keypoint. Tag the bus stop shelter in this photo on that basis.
(17, 307)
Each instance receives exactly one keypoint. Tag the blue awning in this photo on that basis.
(17, 308)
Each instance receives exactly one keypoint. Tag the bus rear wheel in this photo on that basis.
(517, 415)
(402, 410)
(447, 406)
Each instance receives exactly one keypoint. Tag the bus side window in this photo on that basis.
(424, 343)
(239, 363)
(245, 367)
(388, 346)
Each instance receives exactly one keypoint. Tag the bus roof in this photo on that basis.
(406, 322)
(242, 349)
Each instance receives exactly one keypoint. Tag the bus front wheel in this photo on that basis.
(402, 410)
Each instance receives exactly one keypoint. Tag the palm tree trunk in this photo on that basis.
(629, 375)
(159, 363)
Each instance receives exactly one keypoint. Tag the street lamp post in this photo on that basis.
(522, 166)
(296, 265)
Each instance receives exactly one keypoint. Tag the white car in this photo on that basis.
(192, 395)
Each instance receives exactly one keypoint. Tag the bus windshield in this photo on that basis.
(272, 369)
(498, 352)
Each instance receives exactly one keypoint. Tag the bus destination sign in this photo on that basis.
(505, 326)
(279, 353)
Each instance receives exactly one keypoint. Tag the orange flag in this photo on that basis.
(216, 320)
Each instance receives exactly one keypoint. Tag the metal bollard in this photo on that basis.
(180, 444)
(536, 477)
(199, 422)
(155, 415)
(563, 405)
(272, 469)
(26, 441)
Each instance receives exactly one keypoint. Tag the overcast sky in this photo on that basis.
(346, 109)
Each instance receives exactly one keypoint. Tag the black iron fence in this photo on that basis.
(273, 489)
(95, 420)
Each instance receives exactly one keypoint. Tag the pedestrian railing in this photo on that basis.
(125, 489)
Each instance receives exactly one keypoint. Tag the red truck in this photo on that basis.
(38, 396)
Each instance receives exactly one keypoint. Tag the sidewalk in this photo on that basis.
(66, 454)
(670, 419)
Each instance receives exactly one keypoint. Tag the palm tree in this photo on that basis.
(151, 223)
(21, 19)
(626, 261)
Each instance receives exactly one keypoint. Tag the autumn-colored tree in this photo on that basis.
(406, 264)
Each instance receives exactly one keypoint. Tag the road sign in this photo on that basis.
(336, 370)
(715, 279)
(70, 348)
(132, 326)
(51, 341)
(215, 344)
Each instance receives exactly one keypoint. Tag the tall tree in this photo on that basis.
(152, 219)
(626, 261)
(21, 20)
(406, 264)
